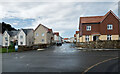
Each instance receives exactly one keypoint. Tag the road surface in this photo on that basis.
(63, 58)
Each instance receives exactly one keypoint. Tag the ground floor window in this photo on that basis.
(42, 40)
(87, 38)
(21, 43)
(109, 37)
(6, 44)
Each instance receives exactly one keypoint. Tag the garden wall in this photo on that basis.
(100, 44)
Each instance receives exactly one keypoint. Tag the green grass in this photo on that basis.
(4, 50)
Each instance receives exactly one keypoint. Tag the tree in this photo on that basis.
(7, 27)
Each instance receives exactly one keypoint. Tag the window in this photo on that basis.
(87, 38)
(6, 38)
(6, 44)
(21, 43)
(109, 37)
(37, 34)
(109, 26)
(88, 28)
(42, 40)
(21, 36)
(43, 34)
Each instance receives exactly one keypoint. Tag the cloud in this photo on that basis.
(15, 23)
(60, 16)
(59, 1)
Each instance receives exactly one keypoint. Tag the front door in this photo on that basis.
(94, 38)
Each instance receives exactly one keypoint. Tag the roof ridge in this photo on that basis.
(91, 16)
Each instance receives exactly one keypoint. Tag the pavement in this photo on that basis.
(63, 58)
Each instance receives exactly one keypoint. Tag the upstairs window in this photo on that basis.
(109, 37)
(21, 36)
(109, 27)
(87, 38)
(88, 28)
(37, 34)
(43, 34)
(6, 39)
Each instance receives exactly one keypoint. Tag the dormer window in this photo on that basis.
(109, 27)
(88, 28)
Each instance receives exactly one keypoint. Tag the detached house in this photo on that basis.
(72, 39)
(25, 37)
(0, 39)
(0, 35)
(94, 28)
(75, 39)
(43, 35)
(9, 37)
(67, 40)
(77, 36)
(57, 37)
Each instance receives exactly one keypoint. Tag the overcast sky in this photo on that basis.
(62, 17)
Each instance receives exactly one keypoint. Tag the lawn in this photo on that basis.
(4, 50)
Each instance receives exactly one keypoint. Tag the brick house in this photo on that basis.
(77, 36)
(57, 37)
(99, 27)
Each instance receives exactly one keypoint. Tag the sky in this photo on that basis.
(62, 17)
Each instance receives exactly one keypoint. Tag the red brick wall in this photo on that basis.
(102, 27)
(110, 19)
(94, 28)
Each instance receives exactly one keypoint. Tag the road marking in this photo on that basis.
(98, 64)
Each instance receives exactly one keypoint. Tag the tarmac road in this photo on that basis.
(63, 58)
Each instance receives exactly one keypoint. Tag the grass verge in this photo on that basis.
(4, 50)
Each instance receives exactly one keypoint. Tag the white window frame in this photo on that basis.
(37, 34)
(109, 37)
(109, 27)
(21, 36)
(21, 43)
(43, 34)
(43, 40)
(87, 38)
(6, 44)
(88, 28)
(6, 38)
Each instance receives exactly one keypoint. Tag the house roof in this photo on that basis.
(92, 19)
(74, 35)
(49, 30)
(66, 38)
(95, 19)
(77, 32)
(26, 31)
(56, 33)
(12, 33)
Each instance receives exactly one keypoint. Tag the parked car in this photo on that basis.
(59, 44)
